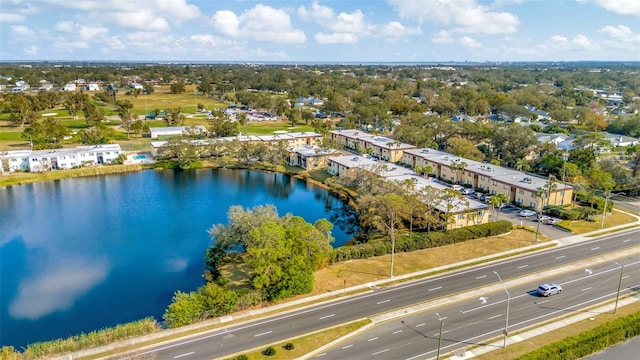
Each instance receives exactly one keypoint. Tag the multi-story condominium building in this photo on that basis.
(461, 212)
(54, 159)
(518, 186)
(379, 147)
(311, 157)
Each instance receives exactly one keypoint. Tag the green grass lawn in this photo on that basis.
(268, 127)
(11, 136)
(162, 99)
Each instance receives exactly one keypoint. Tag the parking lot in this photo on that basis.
(511, 213)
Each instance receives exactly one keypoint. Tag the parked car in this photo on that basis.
(457, 187)
(479, 196)
(549, 289)
(468, 191)
(526, 213)
(550, 220)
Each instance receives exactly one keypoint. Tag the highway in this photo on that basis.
(469, 323)
(253, 334)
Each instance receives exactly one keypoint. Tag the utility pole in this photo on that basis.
(506, 321)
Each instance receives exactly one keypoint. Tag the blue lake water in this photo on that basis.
(81, 254)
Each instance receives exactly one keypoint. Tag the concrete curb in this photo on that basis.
(397, 314)
(311, 300)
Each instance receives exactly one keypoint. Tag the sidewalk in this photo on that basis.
(312, 300)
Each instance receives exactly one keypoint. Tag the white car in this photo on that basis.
(457, 187)
(526, 213)
(549, 289)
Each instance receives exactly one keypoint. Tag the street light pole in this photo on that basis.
(615, 309)
(439, 337)
(506, 321)
(604, 211)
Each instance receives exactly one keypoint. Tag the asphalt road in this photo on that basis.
(238, 338)
(470, 323)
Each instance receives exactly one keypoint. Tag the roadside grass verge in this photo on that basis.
(616, 218)
(613, 231)
(355, 272)
(528, 345)
(305, 344)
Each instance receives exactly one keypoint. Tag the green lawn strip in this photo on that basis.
(613, 231)
(615, 219)
(268, 127)
(527, 346)
(304, 344)
(11, 136)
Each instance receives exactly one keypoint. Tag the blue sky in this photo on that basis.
(320, 31)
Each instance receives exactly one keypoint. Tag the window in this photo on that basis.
(505, 187)
(521, 192)
(495, 183)
(493, 192)
(519, 201)
(533, 195)
(480, 212)
(532, 204)
(460, 217)
(482, 178)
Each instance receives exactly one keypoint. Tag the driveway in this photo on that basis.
(511, 213)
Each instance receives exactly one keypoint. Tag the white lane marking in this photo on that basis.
(522, 266)
(495, 316)
(327, 316)
(383, 301)
(481, 276)
(595, 248)
(626, 240)
(436, 288)
(624, 277)
(264, 333)
(444, 318)
(587, 289)
(373, 338)
(559, 257)
(346, 347)
(323, 354)
(423, 324)
(187, 354)
(380, 352)
(397, 332)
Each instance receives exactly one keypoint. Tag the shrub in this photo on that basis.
(420, 241)
(241, 357)
(270, 351)
(288, 346)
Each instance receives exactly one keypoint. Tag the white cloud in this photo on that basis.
(31, 50)
(336, 38)
(457, 15)
(64, 26)
(10, 18)
(620, 33)
(141, 20)
(56, 289)
(622, 7)
(349, 23)
(318, 13)
(561, 43)
(226, 22)
(21, 30)
(469, 42)
(442, 36)
(396, 29)
(177, 10)
(262, 23)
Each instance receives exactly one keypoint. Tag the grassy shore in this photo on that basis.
(28, 177)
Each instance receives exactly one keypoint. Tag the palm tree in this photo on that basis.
(497, 201)
(458, 167)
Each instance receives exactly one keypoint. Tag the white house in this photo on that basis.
(93, 87)
(136, 86)
(14, 160)
(68, 158)
(69, 87)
